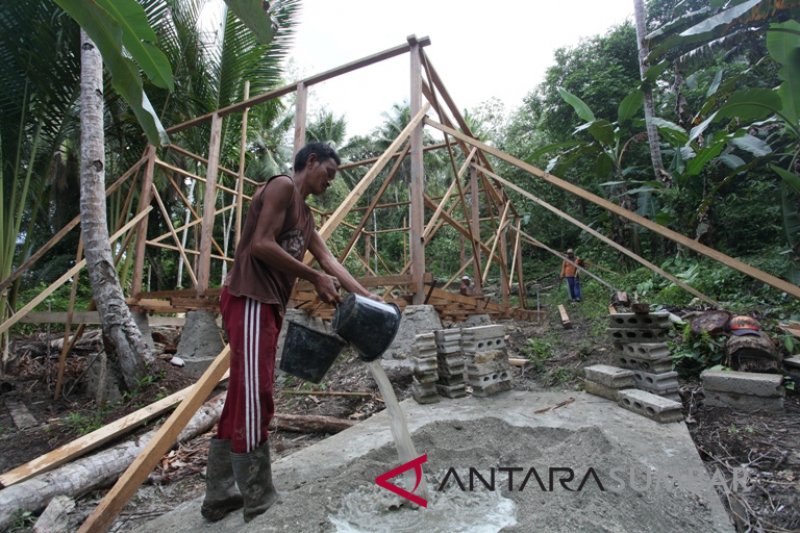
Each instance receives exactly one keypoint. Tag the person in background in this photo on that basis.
(269, 258)
(569, 270)
(466, 286)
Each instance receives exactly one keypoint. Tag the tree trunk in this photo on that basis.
(649, 113)
(120, 331)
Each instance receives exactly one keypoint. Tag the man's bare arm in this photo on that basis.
(332, 266)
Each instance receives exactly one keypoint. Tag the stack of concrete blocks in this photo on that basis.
(639, 337)
(426, 369)
(743, 391)
(606, 381)
(452, 363)
(488, 370)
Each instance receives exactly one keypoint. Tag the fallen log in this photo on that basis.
(93, 472)
(311, 423)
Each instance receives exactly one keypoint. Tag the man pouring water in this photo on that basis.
(269, 258)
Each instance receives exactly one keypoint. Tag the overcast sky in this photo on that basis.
(480, 49)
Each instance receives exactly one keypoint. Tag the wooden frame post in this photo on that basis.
(209, 206)
(475, 212)
(416, 244)
(141, 229)
(240, 178)
(300, 118)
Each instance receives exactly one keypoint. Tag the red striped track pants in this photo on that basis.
(252, 329)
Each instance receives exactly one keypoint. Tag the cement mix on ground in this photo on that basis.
(651, 476)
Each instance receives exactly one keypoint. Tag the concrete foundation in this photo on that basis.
(319, 482)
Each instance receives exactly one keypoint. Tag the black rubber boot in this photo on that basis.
(222, 497)
(253, 473)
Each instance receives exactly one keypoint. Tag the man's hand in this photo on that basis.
(327, 288)
(374, 297)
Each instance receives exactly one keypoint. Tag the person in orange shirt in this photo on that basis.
(569, 270)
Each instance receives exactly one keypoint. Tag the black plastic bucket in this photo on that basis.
(368, 325)
(309, 353)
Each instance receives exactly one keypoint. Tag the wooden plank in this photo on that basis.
(209, 206)
(91, 441)
(417, 214)
(39, 298)
(240, 177)
(105, 513)
(186, 173)
(192, 155)
(300, 117)
(564, 317)
(141, 229)
(317, 78)
(353, 164)
(491, 256)
(674, 236)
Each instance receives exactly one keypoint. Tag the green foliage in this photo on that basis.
(538, 349)
(81, 422)
(120, 30)
(691, 354)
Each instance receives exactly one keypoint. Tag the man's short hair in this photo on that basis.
(323, 151)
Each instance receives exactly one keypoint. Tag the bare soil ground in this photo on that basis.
(767, 444)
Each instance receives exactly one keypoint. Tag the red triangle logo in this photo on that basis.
(416, 464)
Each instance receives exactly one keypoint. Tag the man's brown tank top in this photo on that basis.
(252, 277)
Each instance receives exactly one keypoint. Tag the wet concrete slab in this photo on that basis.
(493, 433)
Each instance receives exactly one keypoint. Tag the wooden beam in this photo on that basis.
(372, 204)
(453, 186)
(175, 237)
(674, 236)
(39, 298)
(286, 89)
(338, 216)
(500, 229)
(192, 155)
(189, 206)
(562, 312)
(240, 178)
(105, 513)
(209, 206)
(141, 229)
(362, 162)
(417, 222)
(178, 170)
(300, 117)
(610, 242)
